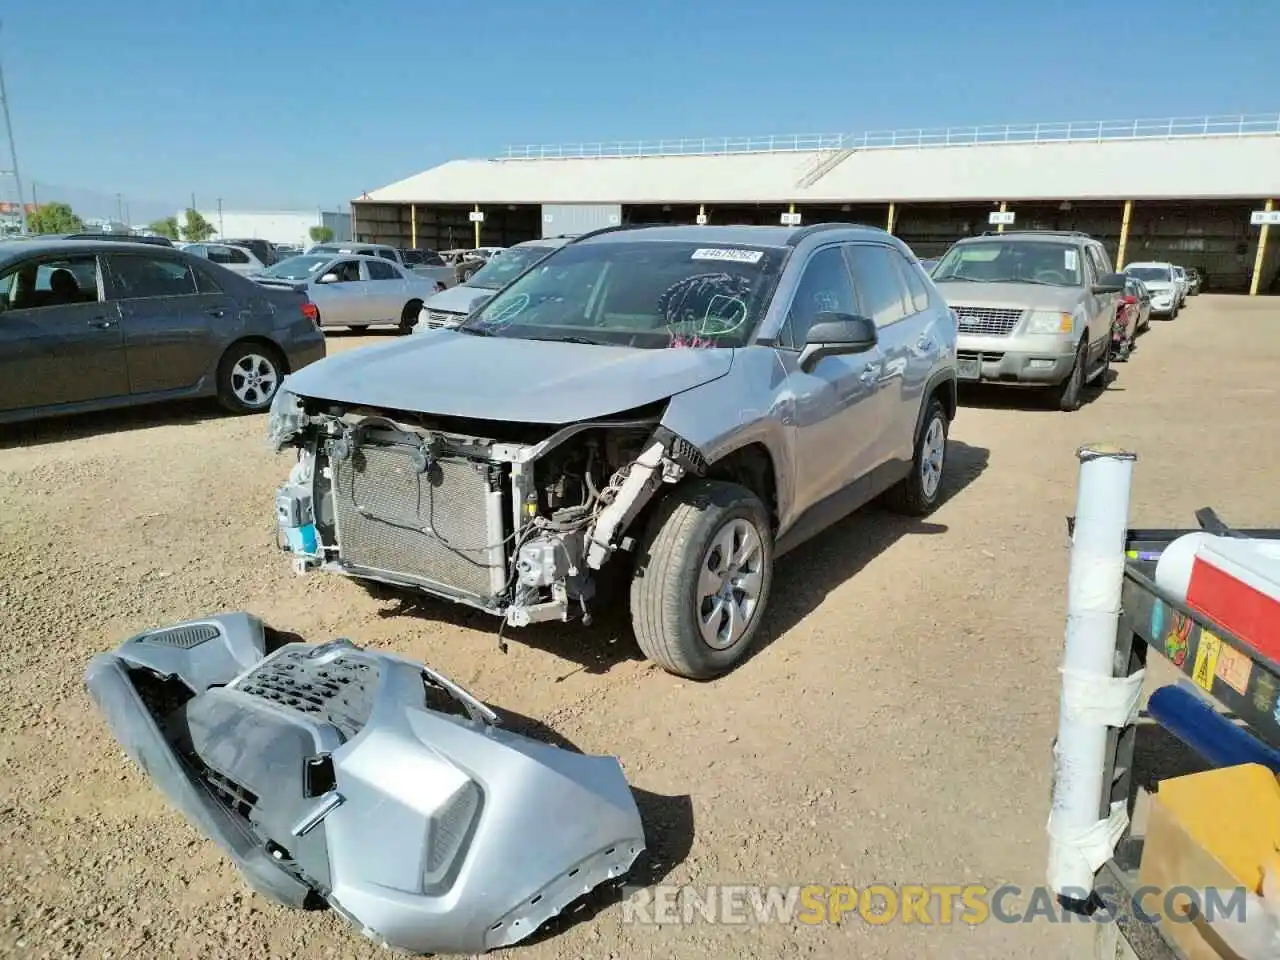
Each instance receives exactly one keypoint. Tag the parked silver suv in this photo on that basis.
(1034, 308)
(678, 404)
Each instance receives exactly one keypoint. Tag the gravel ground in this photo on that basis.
(893, 728)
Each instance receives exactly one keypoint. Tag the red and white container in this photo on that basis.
(1233, 581)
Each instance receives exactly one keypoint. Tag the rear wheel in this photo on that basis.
(248, 376)
(919, 492)
(409, 316)
(700, 587)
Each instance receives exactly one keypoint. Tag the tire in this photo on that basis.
(409, 316)
(682, 557)
(249, 375)
(357, 327)
(920, 491)
(1066, 396)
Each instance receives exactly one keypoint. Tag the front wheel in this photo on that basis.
(1067, 395)
(918, 492)
(702, 580)
(248, 376)
(409, 316)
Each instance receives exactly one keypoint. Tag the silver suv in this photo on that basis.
(1034, 308)
(680, 405)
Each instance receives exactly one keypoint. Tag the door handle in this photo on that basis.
(217, 313)
(924, 343)
(869, 373)
(102, 323)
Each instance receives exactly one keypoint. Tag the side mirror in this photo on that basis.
(837, 334)
(1110, 283)
(328, 278)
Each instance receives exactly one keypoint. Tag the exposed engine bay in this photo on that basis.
(334, 775)
(515, 519)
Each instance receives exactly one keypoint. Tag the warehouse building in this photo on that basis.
(1196, 192)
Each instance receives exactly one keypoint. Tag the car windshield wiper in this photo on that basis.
(583, 340)
(955, 276)
(476, 331)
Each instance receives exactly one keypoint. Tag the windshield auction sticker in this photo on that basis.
(725, 253)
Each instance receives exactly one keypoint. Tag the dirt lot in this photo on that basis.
(893, 728)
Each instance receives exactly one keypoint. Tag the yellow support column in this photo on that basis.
(413, 226)
(1124, 234)
(893, 215)
(1262, 252)
(477, 226)
(1003, 209)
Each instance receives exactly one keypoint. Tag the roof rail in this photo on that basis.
(1054, 233)
(810, 230)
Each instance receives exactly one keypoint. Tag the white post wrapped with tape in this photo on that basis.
(1092, 700)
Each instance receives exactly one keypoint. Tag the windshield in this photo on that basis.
(1011, 261)
(649, 294)
(296, 268)
(1179, 272)
(1149, 274)
(503, 268)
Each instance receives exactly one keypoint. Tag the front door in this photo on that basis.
(60, 341)
(834, 432)
(174, 317)
(342, 301)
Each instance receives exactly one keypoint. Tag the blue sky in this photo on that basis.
(285, 104)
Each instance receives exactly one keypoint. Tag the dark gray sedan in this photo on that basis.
(90, 325)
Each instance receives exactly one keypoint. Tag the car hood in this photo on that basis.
(1025, 296)
(459, 299)
(499, 378)
(1160, 287)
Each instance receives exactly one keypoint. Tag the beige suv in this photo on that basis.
(1034, 309)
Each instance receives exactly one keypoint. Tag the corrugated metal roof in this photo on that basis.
(1182, 168)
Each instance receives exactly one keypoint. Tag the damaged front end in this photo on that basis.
(335, 775)
(514, 519)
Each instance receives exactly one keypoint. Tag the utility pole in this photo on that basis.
(13, 153)
(119, 208)
(221, 232)
(193, 201)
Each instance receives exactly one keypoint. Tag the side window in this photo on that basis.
(825, 287)
(433, 260)
(51, 282)
(205, 283)
(881, 289)
(1095, 263)
(197, 250)
(348, 271)
(386, 254)
(236, 256)
(138, 277)
(1104, 258)
(219, 254)
(917, 294)
(381, 271)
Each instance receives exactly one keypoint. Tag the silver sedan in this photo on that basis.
(355, 291)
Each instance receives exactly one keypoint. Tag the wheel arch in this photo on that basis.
(943, 387)
(260, 341)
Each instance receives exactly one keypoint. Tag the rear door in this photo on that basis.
(883, 296)
(385, 292)
(1102, 307)
(57, 347)
(174, 318)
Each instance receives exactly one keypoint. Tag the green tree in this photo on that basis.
(195, 227)
(321, 234)
(55, 217)
(168, 227)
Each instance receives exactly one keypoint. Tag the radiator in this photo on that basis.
(440, 528)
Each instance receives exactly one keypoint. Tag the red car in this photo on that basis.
(1133, 313)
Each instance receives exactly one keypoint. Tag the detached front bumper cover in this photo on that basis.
(335, 775)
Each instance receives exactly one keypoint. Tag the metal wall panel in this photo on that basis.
(562, 218)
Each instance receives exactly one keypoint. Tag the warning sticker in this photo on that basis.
(1069, 259)
(1207, 651)
(726, 253)
(1234, 669)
